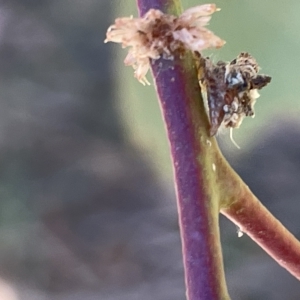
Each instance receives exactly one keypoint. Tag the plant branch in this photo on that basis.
(247, 212)
(205, 183)
(198, 204)
(191, 150)
(166, 6)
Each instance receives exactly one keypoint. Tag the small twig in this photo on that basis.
(248, 213)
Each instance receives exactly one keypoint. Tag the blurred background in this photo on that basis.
(87, 205)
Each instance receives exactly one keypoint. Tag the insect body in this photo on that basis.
(231, 89)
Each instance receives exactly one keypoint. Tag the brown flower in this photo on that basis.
(158, 35)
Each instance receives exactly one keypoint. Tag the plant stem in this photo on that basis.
(166, 6)
(247, 212)
(205, 182)
(198, 204)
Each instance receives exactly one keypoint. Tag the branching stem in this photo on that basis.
(205, 183)
(247, 212)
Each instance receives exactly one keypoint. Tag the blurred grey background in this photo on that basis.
(87, 205)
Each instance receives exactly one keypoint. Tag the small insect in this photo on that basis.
(231, 89)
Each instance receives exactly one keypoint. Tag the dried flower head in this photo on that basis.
(158, 35)
(231, 89)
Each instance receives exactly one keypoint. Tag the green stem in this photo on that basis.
(247, 212)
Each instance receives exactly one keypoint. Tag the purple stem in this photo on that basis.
(201, 271)
(187, 127)
(145, 5)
